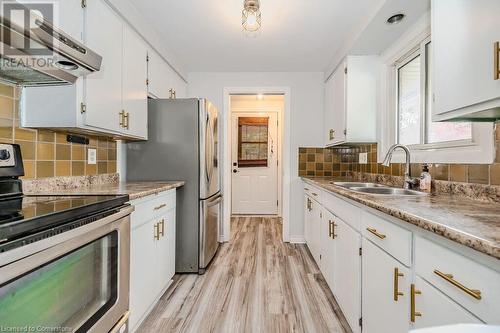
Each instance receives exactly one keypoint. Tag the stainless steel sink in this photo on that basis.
(350, 185)
(387, 191)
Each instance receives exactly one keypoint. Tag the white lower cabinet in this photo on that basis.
(386, 297)
(152, 253)
(385, 275)
(435, 308)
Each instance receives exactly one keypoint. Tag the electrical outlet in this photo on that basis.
(92, 156)
(363, 158)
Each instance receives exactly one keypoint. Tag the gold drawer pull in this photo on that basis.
(496, 61)
(160, 206)
(413, 313)
(397, 275)
(449, 278)
(376, 233)
(315, 194)
(305, 188)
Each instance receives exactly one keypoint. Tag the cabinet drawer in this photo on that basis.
(314, 192)
(392, 238)
(343, 210)
(152, 206)
(474, 286)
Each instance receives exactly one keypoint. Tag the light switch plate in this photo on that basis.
(92, 156)
(363, 158)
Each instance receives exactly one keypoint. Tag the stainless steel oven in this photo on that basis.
(73, 281)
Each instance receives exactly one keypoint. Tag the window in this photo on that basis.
(414, 104)
(253, 141)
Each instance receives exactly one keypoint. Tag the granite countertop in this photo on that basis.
(135, 190)
(473, 223)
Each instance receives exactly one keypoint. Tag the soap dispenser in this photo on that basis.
(425, 179)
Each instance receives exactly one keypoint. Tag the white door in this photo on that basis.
(383, 309)
(254, 163)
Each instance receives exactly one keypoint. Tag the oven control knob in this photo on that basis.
(4, 154)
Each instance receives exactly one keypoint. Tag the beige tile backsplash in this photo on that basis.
(47, 153)
(327, 162)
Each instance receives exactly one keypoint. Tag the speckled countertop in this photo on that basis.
(135, 190)
(475, 224)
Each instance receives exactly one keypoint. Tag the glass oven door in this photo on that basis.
(71, 287)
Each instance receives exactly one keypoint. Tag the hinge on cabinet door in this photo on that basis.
(361, 322)
(277, 202)
(320, 257)
(147, 58)
(83, 108)
(320, 214)
(345, 70)
(84, 3)
(345, 132)
(360, 251)
(147, 82)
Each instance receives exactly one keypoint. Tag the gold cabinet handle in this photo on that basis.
(126, 120)
(162, 223)
(172, 93)
(413, 293)
(376, 233)
(157, 231)
(449, 278)
(496, 61)
(305, 188)
(160, 206)
(331, 229)
(315, 194)
(332, 134)
(397, 275)
(122, 118)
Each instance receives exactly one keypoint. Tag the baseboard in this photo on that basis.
(297, 240)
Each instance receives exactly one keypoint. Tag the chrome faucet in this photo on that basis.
(409, 182)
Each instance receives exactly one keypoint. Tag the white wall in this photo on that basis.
(306, 117)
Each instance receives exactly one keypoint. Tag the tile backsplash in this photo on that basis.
(47, 153)
(337, 161)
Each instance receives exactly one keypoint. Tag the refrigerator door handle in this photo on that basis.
(208, 149)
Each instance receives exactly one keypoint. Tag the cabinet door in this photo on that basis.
(104, 34)
(337, 105)
(135, 96)
(315, 221)
(69, 17)
(159, 77)
(165, 250)
(347, 272)
(381, 312)
(327, 246)
(437, 309)
(463, 37)
(142, 270)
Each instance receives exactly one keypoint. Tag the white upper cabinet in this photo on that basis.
(68, 16)
(135, 95)
(163, 81)
(351, 102)
(104, 35)
(464, 33)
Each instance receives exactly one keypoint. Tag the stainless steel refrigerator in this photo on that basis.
(183, 144)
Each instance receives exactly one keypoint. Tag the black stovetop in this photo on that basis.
(23, 216)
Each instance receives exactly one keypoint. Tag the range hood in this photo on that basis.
(38, 54)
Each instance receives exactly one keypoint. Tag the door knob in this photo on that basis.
(235, 171)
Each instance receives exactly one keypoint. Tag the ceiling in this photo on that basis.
(296, 35)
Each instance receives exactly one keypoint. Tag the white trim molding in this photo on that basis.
(285, 152)
(479, 150)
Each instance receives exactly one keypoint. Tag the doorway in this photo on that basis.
(255, 154)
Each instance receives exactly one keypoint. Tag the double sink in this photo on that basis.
(377, 189)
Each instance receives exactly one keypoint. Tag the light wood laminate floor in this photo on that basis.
(256, 283)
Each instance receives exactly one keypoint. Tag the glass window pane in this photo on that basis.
(410, 119)
(439, 131)
(253, 141)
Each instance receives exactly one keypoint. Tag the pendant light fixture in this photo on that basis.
(251, 17)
